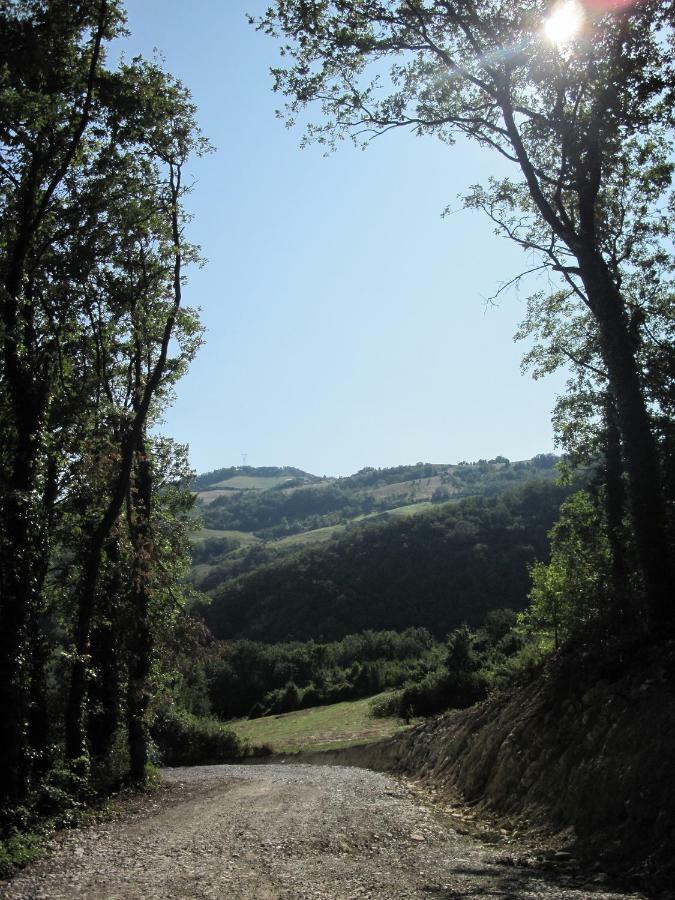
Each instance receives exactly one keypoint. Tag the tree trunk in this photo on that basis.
(104, 696)
(76, 737)
(140, 649)
(647, 505)
(620, 614)
(20, 583)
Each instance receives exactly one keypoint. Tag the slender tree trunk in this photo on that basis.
(619, 613)
(76, 739)
(75, 725)
(104, 692)
(20, 584)
(645, 494)
(39, 717)
(140, 644)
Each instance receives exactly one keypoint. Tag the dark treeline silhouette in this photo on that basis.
(93, 528)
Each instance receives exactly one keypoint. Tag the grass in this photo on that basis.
(252, 482)
(207, 497)
(244, 537)
(318, 728)
(317, 536)
(412, 509)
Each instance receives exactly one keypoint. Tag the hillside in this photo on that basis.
(437, 569)
(252, 516)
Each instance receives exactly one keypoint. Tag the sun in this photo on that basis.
(564, 22)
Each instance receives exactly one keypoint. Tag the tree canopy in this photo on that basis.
(94, 334)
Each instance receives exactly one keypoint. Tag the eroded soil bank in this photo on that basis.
(581, 754)
(287, 831)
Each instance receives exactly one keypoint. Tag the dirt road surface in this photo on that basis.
(285, 831)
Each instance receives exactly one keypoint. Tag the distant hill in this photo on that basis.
(437, 569)
(251, 477)
(273, 503)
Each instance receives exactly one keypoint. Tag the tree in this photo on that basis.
(585, 125)
(48, 103)
(94, 334)
(569, 593)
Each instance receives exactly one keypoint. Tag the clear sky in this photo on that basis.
(346, 320)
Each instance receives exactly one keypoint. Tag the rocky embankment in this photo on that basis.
(579, 754)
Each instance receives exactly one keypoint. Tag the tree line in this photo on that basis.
(278, 512)
(95, 333)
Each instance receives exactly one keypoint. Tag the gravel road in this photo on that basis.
(284, 831)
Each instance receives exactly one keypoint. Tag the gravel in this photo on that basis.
(287, 831)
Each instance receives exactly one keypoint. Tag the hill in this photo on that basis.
(440, 568)
(251, 516)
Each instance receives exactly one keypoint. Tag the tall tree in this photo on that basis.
(579, 98)
(91, 270)
(52, 57)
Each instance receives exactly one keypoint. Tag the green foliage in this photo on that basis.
(473, 662)
(183, 739)
(17, 850)
(240, 678)
(434, 570)
(571, 591)
(278, 512)
(93, 522)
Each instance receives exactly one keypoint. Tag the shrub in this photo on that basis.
(438, 692)
(18, 850)
(387, 706)
(186, 740)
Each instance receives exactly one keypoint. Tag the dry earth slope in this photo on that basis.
(584, 751)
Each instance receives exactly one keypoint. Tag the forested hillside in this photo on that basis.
(436, 570)
(251, 516)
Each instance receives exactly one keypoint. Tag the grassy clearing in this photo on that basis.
(319, 728)
(204, 534)
(317, 536)
(412, 509)
(207, 497)
(252, 482)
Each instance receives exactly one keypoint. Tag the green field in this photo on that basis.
(320, 535)
(317, 536)
(412, 509)
(319, 728)
(205, 534)
(252, 482)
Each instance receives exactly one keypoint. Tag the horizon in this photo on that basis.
(346, 319)
(426, 462)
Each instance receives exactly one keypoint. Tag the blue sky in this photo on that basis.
(346, 320)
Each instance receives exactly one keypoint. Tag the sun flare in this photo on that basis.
(564, 22)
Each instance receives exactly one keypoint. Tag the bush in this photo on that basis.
(18, 850)
(438, 692)
(386, 707)
(311, 697)
(186, 740)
